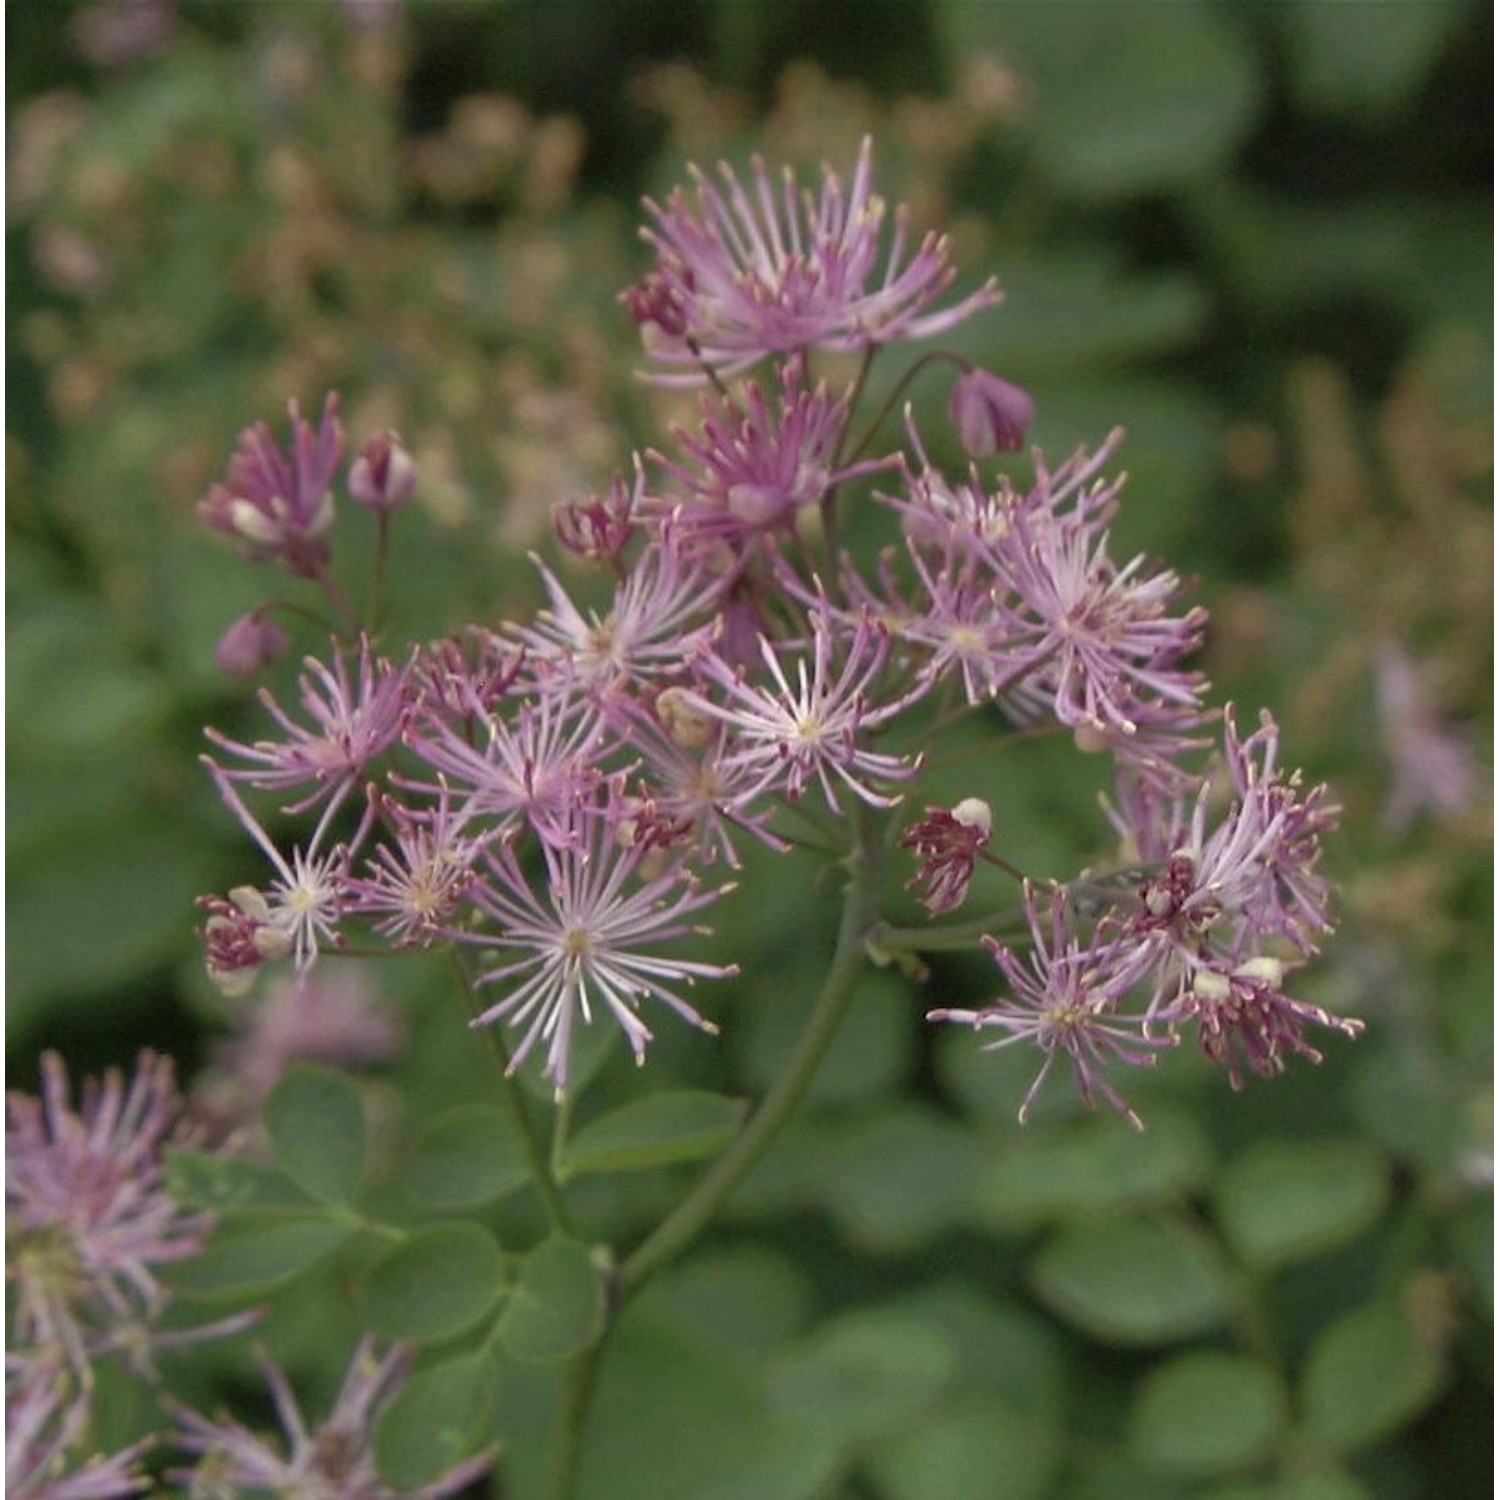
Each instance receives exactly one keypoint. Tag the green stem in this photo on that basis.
(515, 1104)
(572, 1422)
(687, 1220)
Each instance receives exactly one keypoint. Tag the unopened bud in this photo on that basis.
(383, 474)
(250, 645)
(1263, 970)
(991, 414)
(974, 812)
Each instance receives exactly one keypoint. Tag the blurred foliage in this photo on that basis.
(1257, 236)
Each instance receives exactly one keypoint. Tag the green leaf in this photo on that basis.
(469, 1156)
(434, 1422)
(556, 1307)
(1281, 1202)
(1171, 91)
(1367, 1376)
(316, 1124)
(1086, 1168)
(1207, 1413)
(232, 1184)
(253, 1256)
(435, 1284)
(895, 1179)
(655, 1132)
(1364, 61)
(1134, 1282)
(864, 1372)
(977, 1446)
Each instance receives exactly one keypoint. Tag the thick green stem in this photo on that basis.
(687, 1220)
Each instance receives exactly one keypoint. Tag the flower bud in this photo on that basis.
(383, 475)
(991, 414)
(250, 645)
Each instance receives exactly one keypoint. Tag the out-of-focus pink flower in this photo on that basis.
(89, 1223)
(1432, 767)
(331, 1461)
(46, 1423)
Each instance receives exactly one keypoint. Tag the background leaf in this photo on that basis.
(435, 1283)
(315, 1120)
(656, 1131)
(556, 1306)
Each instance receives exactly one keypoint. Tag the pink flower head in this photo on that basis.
(948, 843)
(350, 721)
(991, 414)
(790, 729)
(757, 463)
(89, 1223)
(279, 505)
(743, 272)
(383, 475)
(589, 940)
(1066, 1002)
(333, 1461)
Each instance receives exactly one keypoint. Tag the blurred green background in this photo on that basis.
(1258, 236)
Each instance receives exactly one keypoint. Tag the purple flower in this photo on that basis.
(787, 734)
(1066, 1001)
(589, 940)
(991, 414)
(279, 505)
(333, 1461)
(948, 843)
(600, 527)
(742, 273)
(88, 1221)
(644, 634)
(298, 913)
(1246, 1020)
(351, 722)
(1253, 873)
(758, 464)
(382, 475)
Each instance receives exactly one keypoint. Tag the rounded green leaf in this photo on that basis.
(863, 1371)
(1366, 1377)
(231, 1184)
(316, 1124)
(1091, 1167)
(435, 1284)
(1134, 1282)
(977, 1446)
(434, 1422)
(1207, 1413)
(655, 1132)
(1281, 1202)
(254, 1255)
(895, 1179)
(469, 1156)
(556, 1307)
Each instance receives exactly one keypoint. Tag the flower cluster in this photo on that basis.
(555, 799)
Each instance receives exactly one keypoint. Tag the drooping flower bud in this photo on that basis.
(250, 645)
(991, 414)
(597, 527)
(382, 475)
(948, 843)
